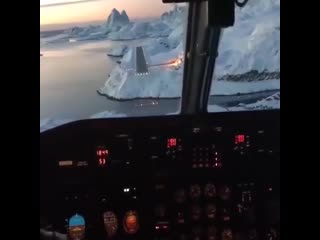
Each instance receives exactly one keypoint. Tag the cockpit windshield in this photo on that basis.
(247, 71)
(124, 58)
(101, 59)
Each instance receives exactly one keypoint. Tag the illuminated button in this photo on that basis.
(180, 219)
(180, 196)
(212, 232)
(210, 190)
(76, 228)
(240, 138)
(225, 192)
(195, 191)
(211, 211)
(227, 234)
(226, 215)
(110, 223)
(196, 213)
(160, 211)
(162, 226)
(171, 142)
(131, 222)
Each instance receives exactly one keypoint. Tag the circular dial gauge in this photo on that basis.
(180, 217)
(226, 215)
(272, 234)
(160, 211)
(195, 191)
(131, 222)
(196, 213)
(211, 211)
(211, 232)
(225, 192)
(110, 223)
(180, 196)
(210, 191)
(181, 236)
(252, 234)
(197, 233)
(227, 234)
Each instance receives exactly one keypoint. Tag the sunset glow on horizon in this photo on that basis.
(80, 11)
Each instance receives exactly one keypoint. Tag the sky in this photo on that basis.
(66, 12)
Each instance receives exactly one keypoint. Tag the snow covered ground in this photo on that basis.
(160, 83)
(243, 87)
(271, 102)
(252, 44)
(117, 51)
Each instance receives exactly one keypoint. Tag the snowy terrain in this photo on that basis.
(271, 102)
(251, 46)
(243, 87)
(165, 78)
(160, 83)
(117, 20)
(253, 43)
(140, 30)
(117, 51)
(117, 27)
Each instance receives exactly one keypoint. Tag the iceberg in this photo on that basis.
(116, 20)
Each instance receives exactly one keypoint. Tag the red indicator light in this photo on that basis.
(172, 142)
(240, 138)
(102, 156)
(102, 161)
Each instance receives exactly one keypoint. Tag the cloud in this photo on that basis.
(66, 3)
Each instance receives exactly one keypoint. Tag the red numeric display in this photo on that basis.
(240, 138)
(102, 155)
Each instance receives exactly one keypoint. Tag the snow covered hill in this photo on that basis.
(248, 61)
(140, 30)
(253, 43)
(118, 27)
